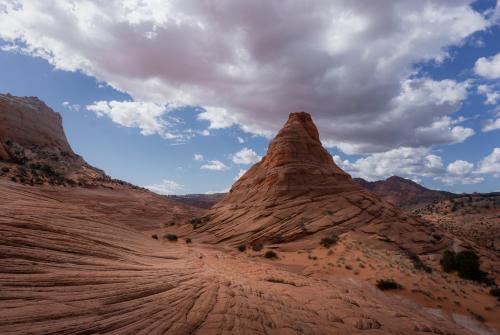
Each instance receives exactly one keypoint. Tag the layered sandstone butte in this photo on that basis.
(29, 121)
(297, 192)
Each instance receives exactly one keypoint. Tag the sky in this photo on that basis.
(183, 96)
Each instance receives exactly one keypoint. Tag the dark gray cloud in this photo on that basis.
(349, 63)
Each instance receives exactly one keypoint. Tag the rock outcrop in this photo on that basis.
(28, 121)
(298, 192)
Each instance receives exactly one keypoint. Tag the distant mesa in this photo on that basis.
(298, 193)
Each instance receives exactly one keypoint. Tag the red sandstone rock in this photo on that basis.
(297, 191)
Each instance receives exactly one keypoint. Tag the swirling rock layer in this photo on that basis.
(68, 269)
(297, 192)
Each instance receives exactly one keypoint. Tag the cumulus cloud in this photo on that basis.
(240, 174)
(166, 187)
(71, 107)
(215, 165)
(492, 96)
(411, 163)
(147, 116)
(488, 67)
(241, 140)
(198, 157)
(245, 156)
(491, 163)
(491, 125)
(250, 63)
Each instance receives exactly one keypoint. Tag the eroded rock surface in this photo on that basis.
(297, 192)
(68, 269)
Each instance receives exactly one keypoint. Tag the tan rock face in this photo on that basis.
(297, 192)
(28, 121)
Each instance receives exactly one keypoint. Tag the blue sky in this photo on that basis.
(143, 88)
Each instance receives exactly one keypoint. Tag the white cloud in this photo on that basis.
(147, 116)
(71, 107)
(491, 125)
(241, 140)
(166, 187)
(491, 163)
(245, 156)
(240, 174)
(412, 163)
(405, 162)
(198, 157)
(250, 63)
(215, 165)
(460, 167)
(488, 67)
(492, 96)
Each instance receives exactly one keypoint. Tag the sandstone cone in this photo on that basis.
(297, 191)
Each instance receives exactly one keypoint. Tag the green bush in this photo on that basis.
(448, 261)
(154, 236)
(465, 262)
(388, 284)
(257, 247)
(329, 241)
(242, 247)
(195, 222)
(170, 237)
(271, 254)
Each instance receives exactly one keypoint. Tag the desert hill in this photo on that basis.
(403, 192)
(474, 217)
(106, 258)
(205, 201)
(396, 190)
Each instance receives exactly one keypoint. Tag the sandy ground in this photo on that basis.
(69, 267)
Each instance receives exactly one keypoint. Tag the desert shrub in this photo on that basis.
(242, 247)
(257, 247)
(188, 240)
(448, 261)
(329, 241)
(271, 254)
(154, 236)
(196, 221)
(417, 262)
(5, 169)
(170, 237)
(467, 263)
(495, 292)
(388, 284)
(8, 143)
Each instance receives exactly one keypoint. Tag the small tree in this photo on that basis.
(257, 247)
(448, 261)
(388, 284)
(271, 254)
(188, 240)
(329, 241)
(171, 237)
(467, 263)
(242, 247)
